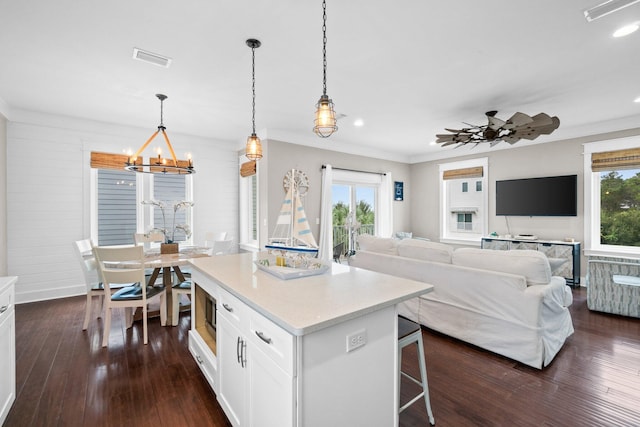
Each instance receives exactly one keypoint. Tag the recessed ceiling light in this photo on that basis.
(432, 143)
(606, 8)
(358, 123)
(151, 58)
(626, 30)
(637, 100)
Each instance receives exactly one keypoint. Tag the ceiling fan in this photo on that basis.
(519, 126)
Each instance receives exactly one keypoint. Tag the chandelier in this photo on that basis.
(325, 121)
(253, 150)
(159, 165)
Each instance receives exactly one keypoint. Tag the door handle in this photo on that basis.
(227, 307)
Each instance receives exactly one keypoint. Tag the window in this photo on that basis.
(171, 189)
(612, 197)
(354, 199)
(249, 225)
(463, 214)
(117, 210)
(465, 221)
(116, 207)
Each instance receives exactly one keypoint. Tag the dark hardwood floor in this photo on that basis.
(64, 377)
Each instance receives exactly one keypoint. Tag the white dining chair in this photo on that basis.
(124, 265)
(221, 247)
(84, 253)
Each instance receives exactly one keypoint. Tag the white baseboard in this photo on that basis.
(40, 295)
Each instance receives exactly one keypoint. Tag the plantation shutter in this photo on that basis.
(474, 172)
(116, 206)
(170, 189)
(615, 160)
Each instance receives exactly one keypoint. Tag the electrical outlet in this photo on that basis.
(356, 340)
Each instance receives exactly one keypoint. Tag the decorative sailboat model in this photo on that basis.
(292, 237)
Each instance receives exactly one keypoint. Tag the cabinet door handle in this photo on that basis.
(263, 338)
(199, 359)
(3, 308)
(243, 357)
(227, 307)
(238, 349)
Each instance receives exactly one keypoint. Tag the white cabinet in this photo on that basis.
(7, 346)
(255, 366)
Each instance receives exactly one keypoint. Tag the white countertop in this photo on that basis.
(304, 305)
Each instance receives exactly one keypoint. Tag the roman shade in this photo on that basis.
(474, 172)
(615, 160)
(248, 169)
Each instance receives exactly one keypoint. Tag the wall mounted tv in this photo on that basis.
(546, 196)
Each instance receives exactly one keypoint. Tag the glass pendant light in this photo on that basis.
(253, 150)
(325, 122)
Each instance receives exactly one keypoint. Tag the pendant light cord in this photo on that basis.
(324, 47)
(253, 87)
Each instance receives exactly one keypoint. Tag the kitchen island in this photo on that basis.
(312, 351)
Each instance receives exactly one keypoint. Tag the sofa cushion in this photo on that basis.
(425, 250)
(383, 245)
(533, 265)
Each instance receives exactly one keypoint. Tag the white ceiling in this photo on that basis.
(408, 68)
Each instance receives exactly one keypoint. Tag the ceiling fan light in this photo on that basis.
(253, 150)
(325, 121)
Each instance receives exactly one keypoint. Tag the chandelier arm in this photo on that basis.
(173, 154)
(145, 145)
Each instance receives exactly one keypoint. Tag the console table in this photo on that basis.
(555, 250)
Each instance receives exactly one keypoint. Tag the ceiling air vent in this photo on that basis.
(606, 8)
(151, 58)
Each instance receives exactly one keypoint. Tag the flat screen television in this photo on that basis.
(545, 196)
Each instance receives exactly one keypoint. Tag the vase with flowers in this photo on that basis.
(170, 233)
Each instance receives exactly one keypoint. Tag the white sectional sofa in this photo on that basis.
(506, 302)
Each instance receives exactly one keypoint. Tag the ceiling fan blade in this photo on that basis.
(518, 119)
(495, 123)
(511, 139)
(456, 130)
(547, 129)
(449, 143)
(541, 119)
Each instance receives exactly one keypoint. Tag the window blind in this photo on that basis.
(474, 172)
(170, 189)
(116, 207)
(615, 160)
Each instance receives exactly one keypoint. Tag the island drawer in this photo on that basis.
(274, 341)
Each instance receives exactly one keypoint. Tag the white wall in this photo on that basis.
(282, 157)
(3, 196)
(48, 194)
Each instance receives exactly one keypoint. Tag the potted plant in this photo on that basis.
(170, 245)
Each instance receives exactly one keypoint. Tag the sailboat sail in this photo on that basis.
(292, 231)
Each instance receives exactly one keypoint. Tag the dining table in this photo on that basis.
(168, 264)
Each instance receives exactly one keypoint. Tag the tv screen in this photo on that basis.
(547, 196)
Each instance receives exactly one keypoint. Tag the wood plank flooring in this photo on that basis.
(64, 377)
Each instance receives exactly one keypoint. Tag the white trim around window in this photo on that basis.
(592, 245)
